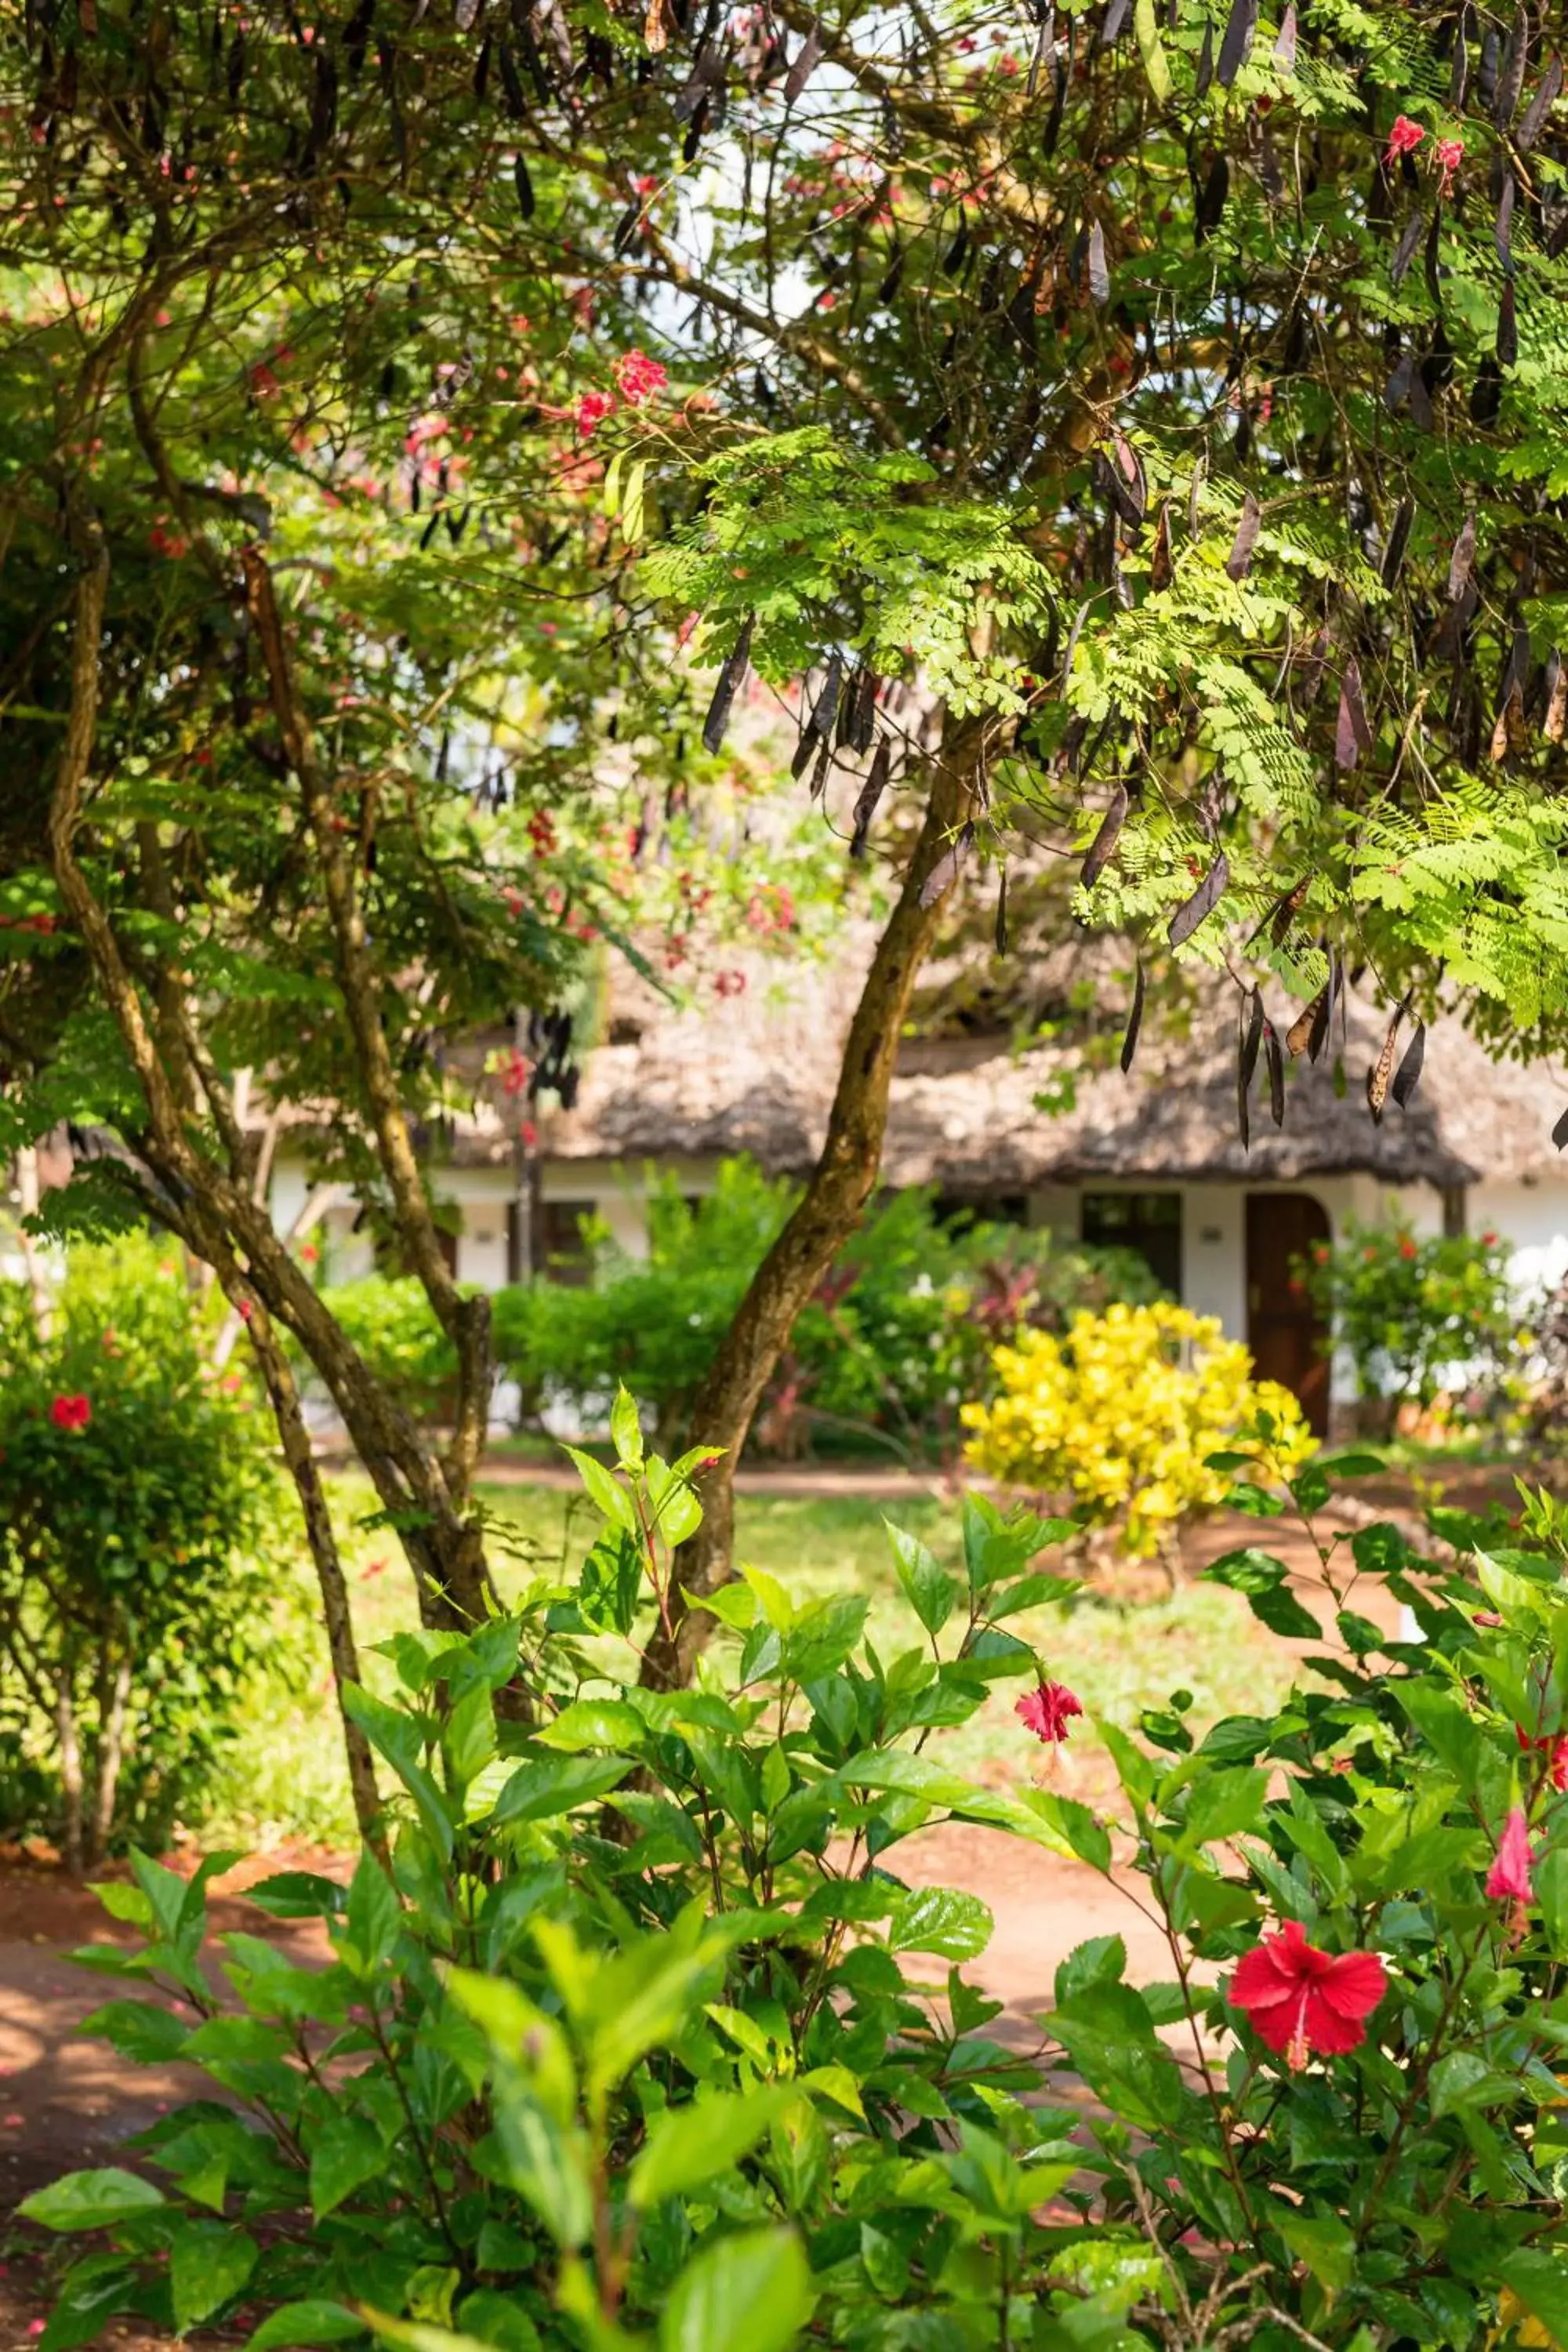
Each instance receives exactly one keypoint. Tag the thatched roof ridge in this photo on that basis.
(756, 1073)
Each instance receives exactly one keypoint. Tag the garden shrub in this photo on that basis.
(899, 1332)
(1122, 1413)
(720, 2077)
(390, 1320)
(134, 1482)
(1414, 1313)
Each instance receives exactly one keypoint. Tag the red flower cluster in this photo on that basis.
(70, 1411)
(1404, 139)
(1304, 2003)
(1555, 1746)
(1047, 1710)
(638, 377)
(592, 409)
(1450, 154)
(516, 1072)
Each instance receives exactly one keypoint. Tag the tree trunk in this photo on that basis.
(70, 1770)
(113, 1697)
(826, 1215)
(336, 1615)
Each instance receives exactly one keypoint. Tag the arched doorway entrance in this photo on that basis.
(1287, 1337)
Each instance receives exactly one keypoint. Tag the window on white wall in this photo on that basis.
(1148, 1222)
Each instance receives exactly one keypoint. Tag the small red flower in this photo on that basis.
(1047, 1711)
(70, 1411)
(1489, 1241)
(1508, 1880)
(245, 1310)
(638, 377)
(1406, 1247)
(1404, 139)
(1450, 154)
(516, 1072)
(592, 409)
(1555, 1746)
(1303, 2002)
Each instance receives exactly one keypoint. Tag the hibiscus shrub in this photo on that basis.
(640, 2036)
(1121, 1415)
(1414, 1314)
(133, 1483)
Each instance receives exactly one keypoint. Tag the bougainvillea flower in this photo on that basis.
(1508, 1880)
(1404, 139)
(1047, 1710)
(1554, 1745)
(70, 1411)
(638, 377)
(1306, 2002)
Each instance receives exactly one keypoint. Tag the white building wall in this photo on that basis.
(1533, 1216)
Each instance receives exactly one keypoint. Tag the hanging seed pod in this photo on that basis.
(1408, 1077)
(1353, 732)
(1547, 92)
(1073, 635)
(863, 723)
(1249, 1036)
(1115, 22)
(1206, 62)
(1459, 71)
(1284, 46)
(806, 59)
(946, 870)
(1487, 73)
(1000, 935)
(1377, 1077)
(1486, 397)
(1211, 204)
(1236, 45)
(1162, 570)
(628, 229)
(1502, 227)
(510, 81)
(1098, 274)
(871, 791)
(1398, 541)
(1202, 903)
(1238, 564)
(1510, 77)
(1462, 560)
(1554, 692)
(1507, 328)
(1559, 1132)
(1194, 497)
(524, 186)
(1313, 1018)
(820, 774)
(1285, 911)
(1275, 1062)
(1128, 469)
(1404, 251)
(1135, 1019)
(730, 678)
(1105, 839)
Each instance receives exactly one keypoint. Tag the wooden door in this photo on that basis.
(1288, 1338)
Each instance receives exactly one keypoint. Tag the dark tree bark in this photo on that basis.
(828, 1211)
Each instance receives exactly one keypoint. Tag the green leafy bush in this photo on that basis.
(1409, 1311)
(132, 1485)
(391, 1322)
(898, 1335)
(639, 2037)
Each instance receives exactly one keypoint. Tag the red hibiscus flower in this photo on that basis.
(1508, 1880)
(1306, 2002)
(638, 377)
(1047, 1711)
(70, 1411)
(1555, 1744)
(1404, 139)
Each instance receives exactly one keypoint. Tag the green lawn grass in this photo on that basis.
(283, 1776)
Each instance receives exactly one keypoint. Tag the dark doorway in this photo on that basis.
(1149, 1223)
(1288, 1338)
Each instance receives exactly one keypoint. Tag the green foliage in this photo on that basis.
(639, 2036)
(1410, 1311)
(134, 1485)
(901, 1329)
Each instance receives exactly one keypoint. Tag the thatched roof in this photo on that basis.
(756, 1073)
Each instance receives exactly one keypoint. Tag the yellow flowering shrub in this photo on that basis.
(1122, 1413)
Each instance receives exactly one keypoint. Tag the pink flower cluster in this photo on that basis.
(1407, 135)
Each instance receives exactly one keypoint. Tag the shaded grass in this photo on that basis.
(283, 1780)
